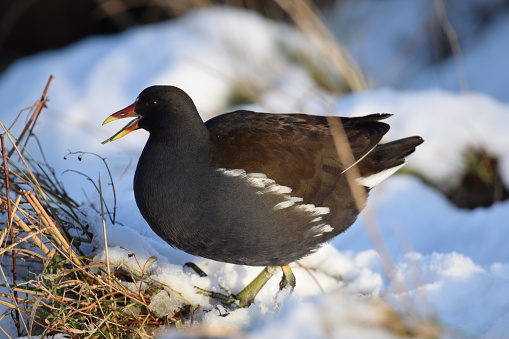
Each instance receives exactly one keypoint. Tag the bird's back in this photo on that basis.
(298, 151)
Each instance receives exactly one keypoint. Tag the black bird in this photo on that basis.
(252, 188)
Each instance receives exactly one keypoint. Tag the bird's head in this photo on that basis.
(157, 108)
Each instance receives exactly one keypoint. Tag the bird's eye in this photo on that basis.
(152, 103)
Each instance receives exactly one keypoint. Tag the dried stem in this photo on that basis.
(80, 155)
(359, 192)
(314, 28)
(452, 37)
(33, 118)
(8, 226)
(33, 178)
(105, 236)
(50, 225)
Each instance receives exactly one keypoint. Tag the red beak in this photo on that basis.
(127, 112)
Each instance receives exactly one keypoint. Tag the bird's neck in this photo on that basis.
(171, 169)
(180, 140)
(167, 153)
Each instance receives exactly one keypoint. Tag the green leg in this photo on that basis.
(288, 278)
(247, 295)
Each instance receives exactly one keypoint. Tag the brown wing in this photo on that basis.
(295, 150)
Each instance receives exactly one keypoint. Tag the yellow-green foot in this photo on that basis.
(227, 299)
(288, 279)
(247, 296)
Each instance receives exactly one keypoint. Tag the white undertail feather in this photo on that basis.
(269, 186)
(374, 179)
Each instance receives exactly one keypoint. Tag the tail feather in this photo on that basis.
(386, 159)
(394, 153)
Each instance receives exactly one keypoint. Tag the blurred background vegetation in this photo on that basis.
(31, 26)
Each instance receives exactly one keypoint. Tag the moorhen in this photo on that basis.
(252, 188)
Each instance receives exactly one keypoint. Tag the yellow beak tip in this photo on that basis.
(109, 119)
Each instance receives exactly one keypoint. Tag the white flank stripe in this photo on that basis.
(325, 228)
(277, 189)
(269, 186)
(233, 172)
(321, 229)
(257, 175)
(284, 204)
(314, 210)
(260, 182)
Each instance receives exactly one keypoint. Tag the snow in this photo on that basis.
(451, 263)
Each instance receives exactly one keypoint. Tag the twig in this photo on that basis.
(314, 28)
(1, 328)
(8, 225)
(33, 233)
(45, 218)
(14, 299)
(35, 115)
(54, 185)
(358, 192)
(15, 147)
(8, 304)
(308, 271)
(30, 231)
(110, 176)
(106, 251)
(346, 157)
(452, 37)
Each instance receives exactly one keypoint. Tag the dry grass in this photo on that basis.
(50, 285)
